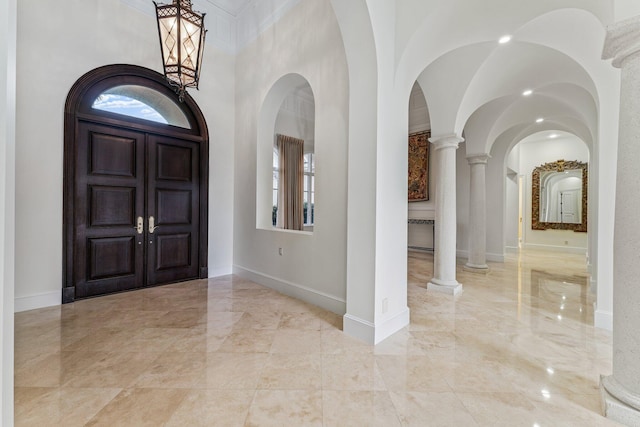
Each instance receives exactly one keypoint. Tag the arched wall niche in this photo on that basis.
(271, 107)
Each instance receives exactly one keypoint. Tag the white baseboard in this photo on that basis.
(32, 302)
(495, 257)
(295, 290)
(374, 333)
(221, 271)
(464, 254)
(553, 248)
(603, 320)
(511, 249)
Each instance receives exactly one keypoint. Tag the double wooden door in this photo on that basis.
(136, 209)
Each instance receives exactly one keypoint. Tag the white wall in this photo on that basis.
(536, 153)
(512, 210)
(7, 203)
(297, 120)
(51, 57)
(307, 42)
(625, 9)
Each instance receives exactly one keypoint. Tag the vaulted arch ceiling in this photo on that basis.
(477, 87)
(561, 106)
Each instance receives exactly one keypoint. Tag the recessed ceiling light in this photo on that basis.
(553, 135)
(504, 39)
(527, 92)
(539, 120)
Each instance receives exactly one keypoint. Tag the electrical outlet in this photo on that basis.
(566, 242)
(385, 305)
(280, 251)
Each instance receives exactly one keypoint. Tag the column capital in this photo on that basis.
(478, 159)
(446, 141)
(622, 41)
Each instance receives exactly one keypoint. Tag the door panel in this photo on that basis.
(173, 250)
(112, 154)
(109, 196)
(112, 205)
(174, 202)
(111, 256)
(174, 162)
(174, 207)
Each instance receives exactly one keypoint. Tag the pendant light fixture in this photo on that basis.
(182, 33)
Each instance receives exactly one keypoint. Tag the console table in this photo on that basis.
(430, 222)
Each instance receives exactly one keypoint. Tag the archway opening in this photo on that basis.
(285, 169)
(558, 198)
(421, 188)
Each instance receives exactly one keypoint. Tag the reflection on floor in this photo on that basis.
(516, 348)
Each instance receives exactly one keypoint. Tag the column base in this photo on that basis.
(476, 268)
(618, 404)
(451, 287)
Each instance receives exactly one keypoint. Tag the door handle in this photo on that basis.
(140, 225)
(152, 226)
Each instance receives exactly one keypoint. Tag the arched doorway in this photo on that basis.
(135, 184)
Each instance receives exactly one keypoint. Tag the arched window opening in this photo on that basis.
(142, 103)
(293, 161)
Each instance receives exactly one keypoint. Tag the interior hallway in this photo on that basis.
(516, 348)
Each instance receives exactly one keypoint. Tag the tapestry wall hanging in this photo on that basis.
(419, 166)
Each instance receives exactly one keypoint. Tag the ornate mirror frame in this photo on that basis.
(559, 166)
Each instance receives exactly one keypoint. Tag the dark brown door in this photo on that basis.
(173, 202)
(124, 181)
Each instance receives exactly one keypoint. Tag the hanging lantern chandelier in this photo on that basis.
(182, 33)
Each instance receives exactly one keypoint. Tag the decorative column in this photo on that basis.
(478, 214)
(621, 390)
(444, 263)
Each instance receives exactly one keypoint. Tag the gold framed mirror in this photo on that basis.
(559, 196)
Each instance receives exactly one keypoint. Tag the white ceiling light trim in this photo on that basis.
(504, 39)
(527, 92)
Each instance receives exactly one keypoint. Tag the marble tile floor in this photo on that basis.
(516, 348)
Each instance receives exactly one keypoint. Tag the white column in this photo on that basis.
(621, 390)
(444, 263)
(478, 214)
(8, 33)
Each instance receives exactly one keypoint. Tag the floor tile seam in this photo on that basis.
(92, 368)
(88, 422)
(253, 400)
(178, 404)
(466, 408)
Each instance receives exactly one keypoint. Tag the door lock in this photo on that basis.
(140, 225)
(152, 226)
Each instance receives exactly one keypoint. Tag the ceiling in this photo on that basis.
(232, 7)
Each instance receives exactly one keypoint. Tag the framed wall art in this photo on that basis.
(419, 166)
